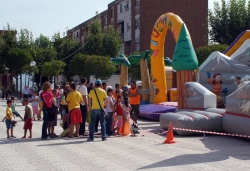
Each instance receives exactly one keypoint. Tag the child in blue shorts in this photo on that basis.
(8, 120)
(13, 108)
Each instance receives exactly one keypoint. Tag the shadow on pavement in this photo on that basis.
(219, 152)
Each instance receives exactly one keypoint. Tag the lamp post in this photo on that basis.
(33, 64)
(7, 69)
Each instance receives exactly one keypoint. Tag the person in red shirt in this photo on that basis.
(48, 100)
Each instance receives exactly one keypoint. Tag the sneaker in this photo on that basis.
(12, 136)
(8, 137)
(105, 139)
(89, 139)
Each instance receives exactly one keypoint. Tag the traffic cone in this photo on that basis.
(170, 135)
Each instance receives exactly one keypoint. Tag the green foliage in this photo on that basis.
(184, 57)
(77, 65)
(204, 52)
(17, 59)
(99, 43)
(8, 40)
(99, 67)
(228, 19)
(111, 42)
(65, 47)
(54, 67)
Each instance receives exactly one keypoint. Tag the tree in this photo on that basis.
(228, 19)
(111, 42)
(77, 64)
(42, 51)
(8, 40)
(204, 52)
(100, 43)
(65, 48)
(17, 60)
(94, 38)
(99, 67)
(53, 67)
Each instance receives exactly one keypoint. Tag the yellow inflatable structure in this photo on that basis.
(168, 21)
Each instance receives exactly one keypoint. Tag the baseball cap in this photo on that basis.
(98, 82)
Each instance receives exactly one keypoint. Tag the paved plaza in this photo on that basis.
(145, 152)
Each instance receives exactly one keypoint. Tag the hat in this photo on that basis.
(98, 82)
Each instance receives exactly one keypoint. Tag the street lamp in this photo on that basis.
(33, 64)
(7, 69)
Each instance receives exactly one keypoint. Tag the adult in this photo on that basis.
(238, 83)
(134, 98)
(90, 87)
(74, 98)
(84, 105)
(58, 95)
(96, 109)
(26, 92)
(104, 86)
(118, 91)
(48, 100)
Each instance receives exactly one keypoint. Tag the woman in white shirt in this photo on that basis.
(110, 110)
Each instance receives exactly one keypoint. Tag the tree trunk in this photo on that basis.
(124, 76)
(182, 78)
(21, 85)
(144, 78)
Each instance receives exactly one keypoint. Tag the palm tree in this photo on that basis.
(123, 61)
(145, 80)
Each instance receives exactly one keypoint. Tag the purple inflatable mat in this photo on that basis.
(153, 111)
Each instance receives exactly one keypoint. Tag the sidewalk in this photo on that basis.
(120, 153)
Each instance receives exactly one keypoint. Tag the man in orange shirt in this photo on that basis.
(134, 98)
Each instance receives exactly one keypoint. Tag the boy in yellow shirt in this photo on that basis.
(8, 120)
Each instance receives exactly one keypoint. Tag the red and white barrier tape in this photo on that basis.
(210, 132)
(147, 113)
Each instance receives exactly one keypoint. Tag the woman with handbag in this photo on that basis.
(47, 99)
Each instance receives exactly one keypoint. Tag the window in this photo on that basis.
(126, 7)
(137, 3)
(77, 34)
(137, 24)
(121, 9)
(121, 27)
(128, 27)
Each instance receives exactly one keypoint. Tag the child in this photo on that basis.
(8, 120)
(126, 116)
(118, 123)
(63, 102)
(34, 103)
(110, 110)
(53, 123)
(13, 108)
(65, 124)
(28, 116)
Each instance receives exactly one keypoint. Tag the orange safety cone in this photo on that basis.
(170, 135)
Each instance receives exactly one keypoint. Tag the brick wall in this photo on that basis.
(193, 12)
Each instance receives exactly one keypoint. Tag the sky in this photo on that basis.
(50, 16)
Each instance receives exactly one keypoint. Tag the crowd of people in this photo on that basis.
(77, 105)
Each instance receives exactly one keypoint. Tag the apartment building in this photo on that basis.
(135, 19)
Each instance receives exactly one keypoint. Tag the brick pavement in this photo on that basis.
(215, 153)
